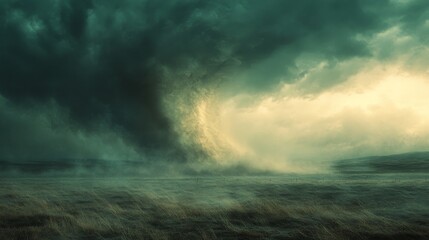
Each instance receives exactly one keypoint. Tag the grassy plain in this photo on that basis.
(294, 207)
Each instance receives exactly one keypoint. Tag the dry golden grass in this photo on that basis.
(103, 213)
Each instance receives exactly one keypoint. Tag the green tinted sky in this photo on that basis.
(277, 85)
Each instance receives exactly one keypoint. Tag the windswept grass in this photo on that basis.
(53, 210)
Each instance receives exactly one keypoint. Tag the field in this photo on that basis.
(293, 207)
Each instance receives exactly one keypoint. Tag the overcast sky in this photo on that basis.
(275, 85)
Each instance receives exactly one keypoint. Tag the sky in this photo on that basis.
(203, 86)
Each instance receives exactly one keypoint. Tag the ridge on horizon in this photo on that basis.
(409, 162)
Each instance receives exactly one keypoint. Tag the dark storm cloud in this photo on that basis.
(102, 62)
(414, 17)
(49, 55)
(45, 132)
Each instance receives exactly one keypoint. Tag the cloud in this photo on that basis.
(353, 119)
(45, 132)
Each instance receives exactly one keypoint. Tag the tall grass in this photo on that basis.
(102, 212)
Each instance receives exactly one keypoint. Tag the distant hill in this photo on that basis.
(414, 162)
(42, 166)
(100, 167)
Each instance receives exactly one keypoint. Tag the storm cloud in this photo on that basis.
(125, 79)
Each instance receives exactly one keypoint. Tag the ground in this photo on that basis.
(264, 207)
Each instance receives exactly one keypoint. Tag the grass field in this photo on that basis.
(298, 207)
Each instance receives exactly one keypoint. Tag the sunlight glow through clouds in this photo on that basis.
(349, 120)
